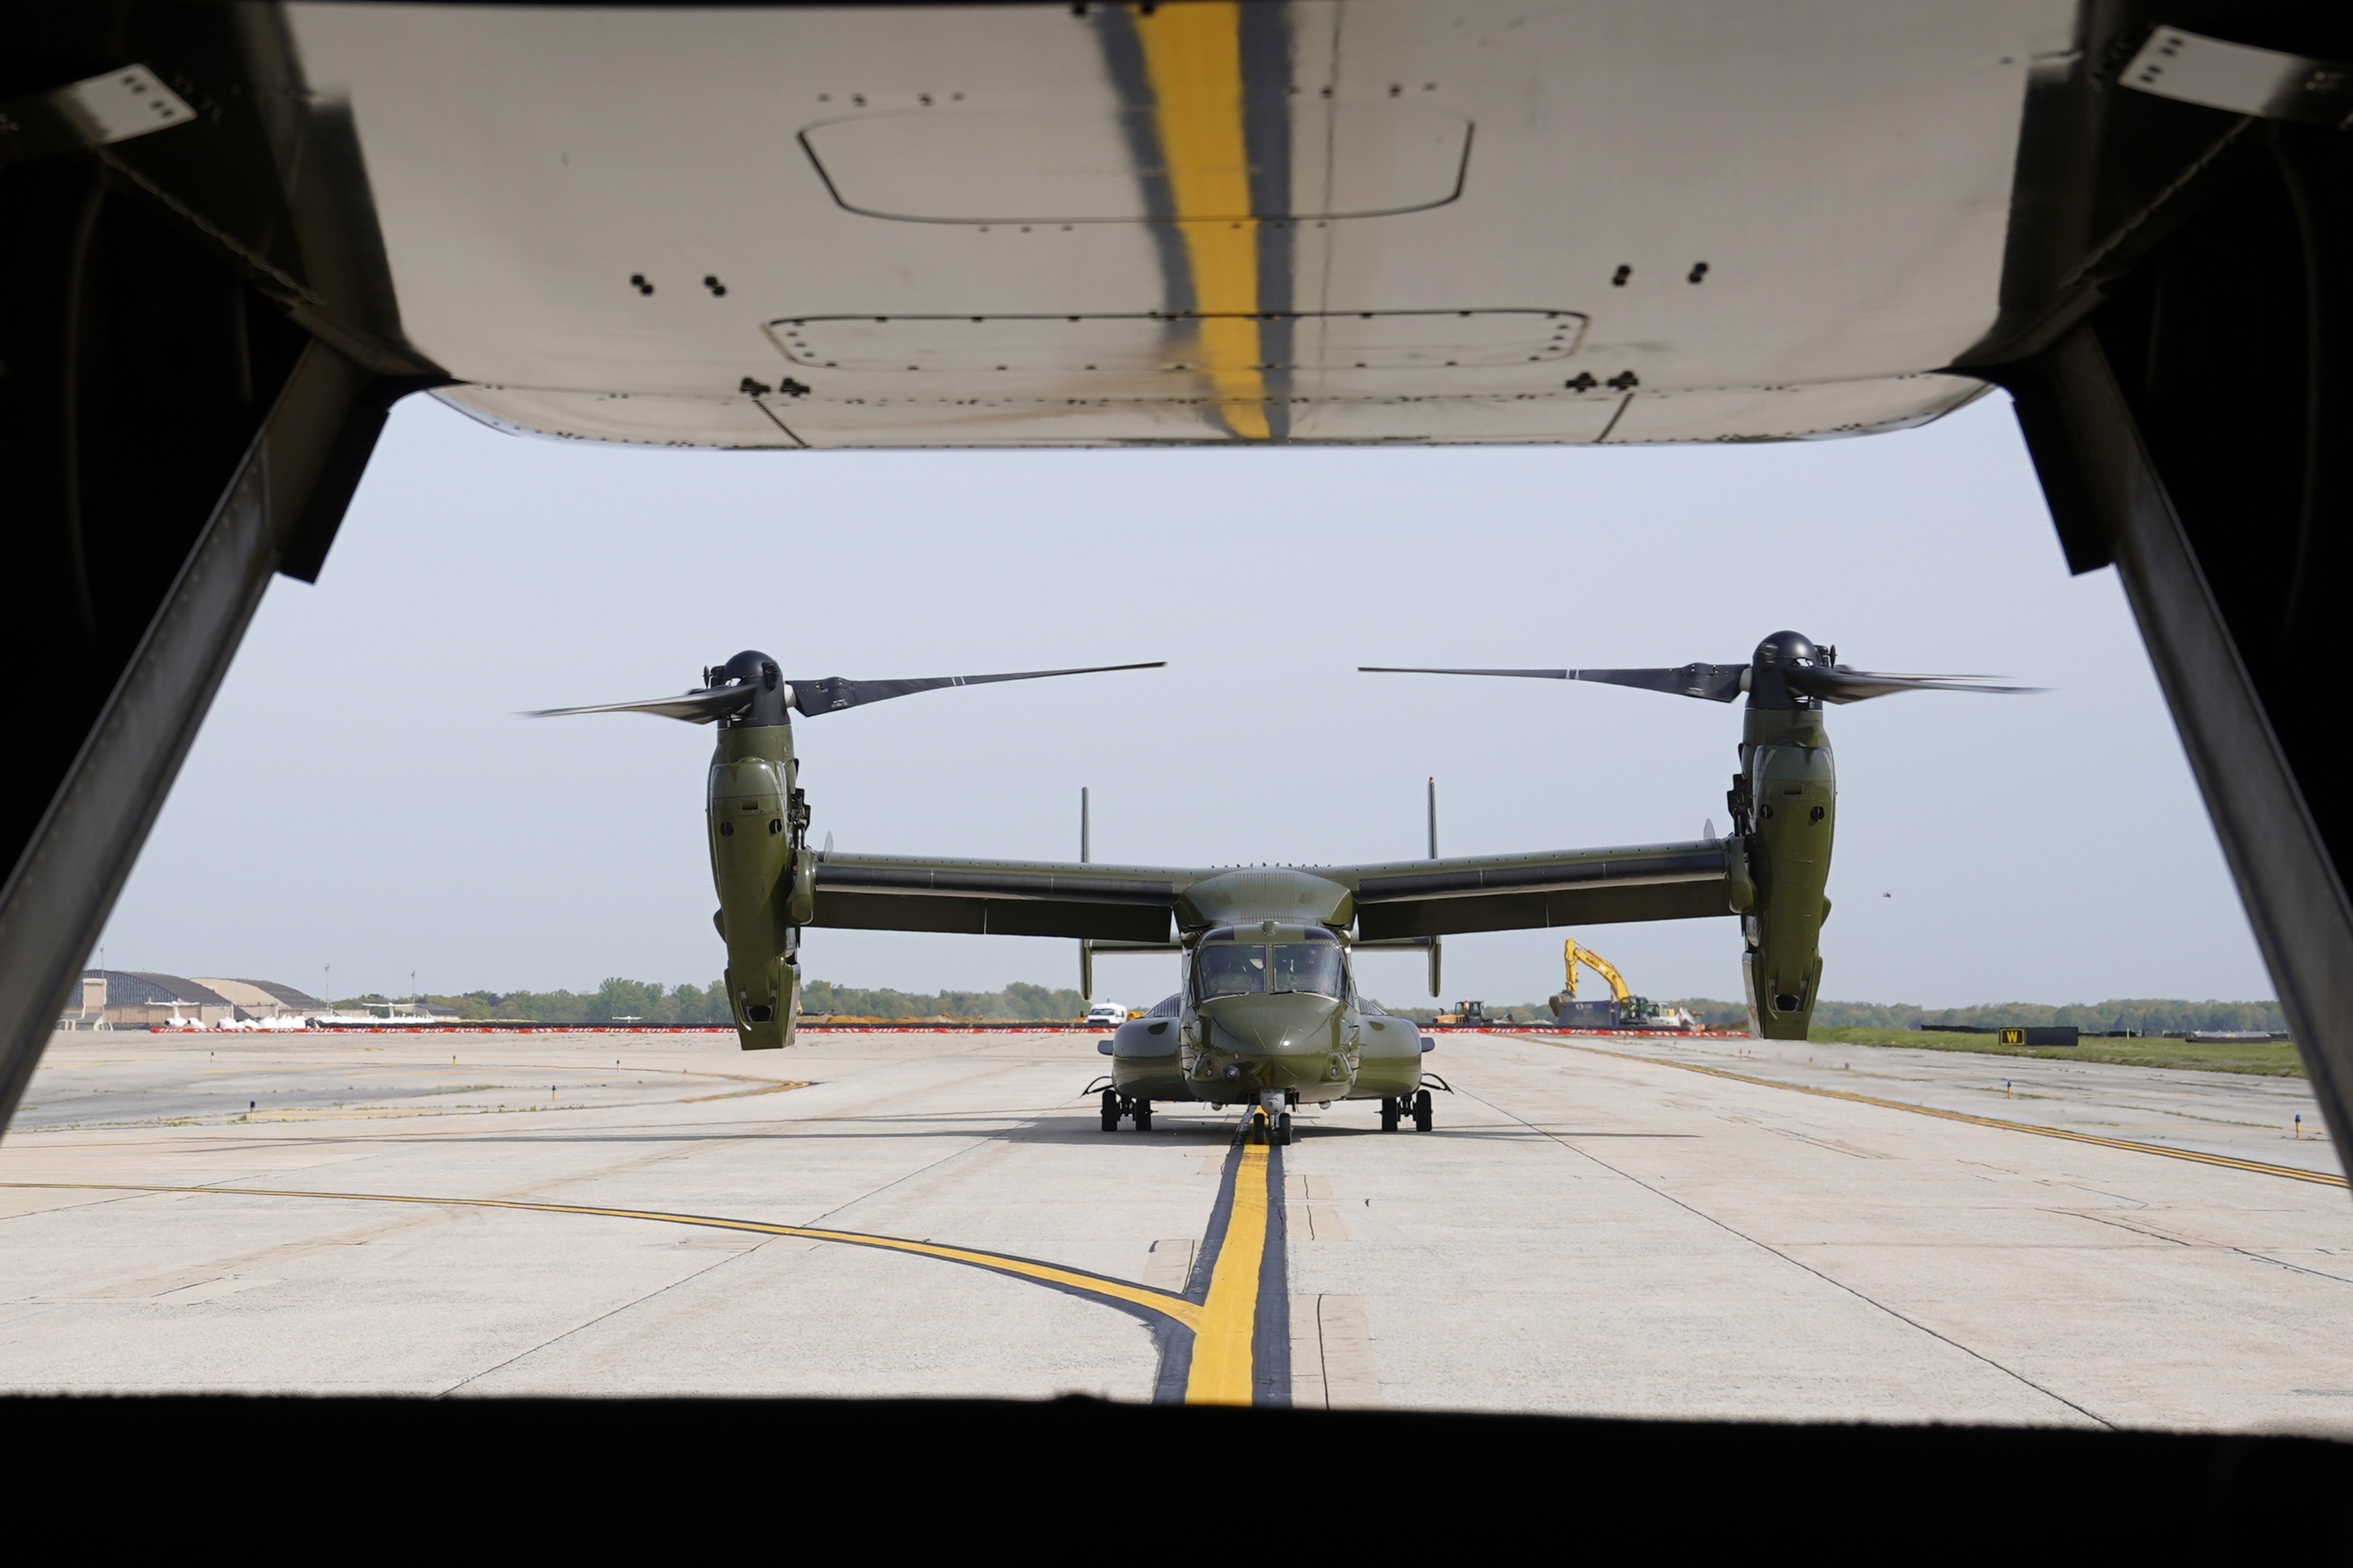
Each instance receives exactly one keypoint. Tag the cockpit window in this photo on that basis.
(1230, 970)
(1309, 966)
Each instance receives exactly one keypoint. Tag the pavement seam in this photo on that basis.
(2293, 1268)
(979, 1140)
(287, 1115)
(2127, 1225)
(601, 1317)
(1796, 1263)
(367, 1234)
(69, 1208)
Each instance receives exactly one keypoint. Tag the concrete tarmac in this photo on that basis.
(1588, 1230)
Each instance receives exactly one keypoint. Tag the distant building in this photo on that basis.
(135, 999)
(264, 998)
(89, 1010)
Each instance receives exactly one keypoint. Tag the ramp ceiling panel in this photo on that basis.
(1390, 220)
(1158, 342)
(1059, 165)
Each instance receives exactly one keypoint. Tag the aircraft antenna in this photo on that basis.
(1082, 825)
(1433, 816)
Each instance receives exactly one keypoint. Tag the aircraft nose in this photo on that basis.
(1275, 1026)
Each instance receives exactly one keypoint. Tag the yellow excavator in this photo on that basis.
(1623, 1011)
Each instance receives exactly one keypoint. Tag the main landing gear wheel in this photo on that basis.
(1142, 1115)
(1389, 1114)
(1110, 1111)
(1279, 1133)
(1421, 1112)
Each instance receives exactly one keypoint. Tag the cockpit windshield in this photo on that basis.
(1309, 966)
(1234, 970)
(1231, 970)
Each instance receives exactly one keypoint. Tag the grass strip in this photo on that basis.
(2263, 1059)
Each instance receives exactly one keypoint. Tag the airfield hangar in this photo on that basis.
(130, 999)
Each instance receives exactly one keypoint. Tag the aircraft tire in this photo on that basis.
(1144, 1115)
(1110, 1110)
(1389, 1114)
(1282, 1129)
(1421, 1112)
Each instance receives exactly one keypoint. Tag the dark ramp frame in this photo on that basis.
(2153, 1497)
(2176, 304)
(201, 348)
(295, 478)
(2177, 336)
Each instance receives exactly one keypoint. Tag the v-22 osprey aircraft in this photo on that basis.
(1269, 1016)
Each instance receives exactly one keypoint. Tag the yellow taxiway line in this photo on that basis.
(1161, 1302)
(1222, 1371)
(2227, 1162)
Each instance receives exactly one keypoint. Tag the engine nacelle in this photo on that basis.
(1793, 796)
(766, 885)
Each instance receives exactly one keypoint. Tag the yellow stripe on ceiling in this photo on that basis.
(1193, 59)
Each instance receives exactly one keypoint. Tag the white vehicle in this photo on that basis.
(1110, 1015)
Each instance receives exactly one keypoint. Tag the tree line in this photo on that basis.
(2153, 1016)
(2149, 1015)
(652, 1002)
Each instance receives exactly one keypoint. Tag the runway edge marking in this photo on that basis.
(2226, 1162)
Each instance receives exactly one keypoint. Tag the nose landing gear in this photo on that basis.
(1261, 1128)
(1116, 1106)
(1268, 1122)
(1395, 1109)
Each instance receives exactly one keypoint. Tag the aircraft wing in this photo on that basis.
(1003, 898)
(1571, 887)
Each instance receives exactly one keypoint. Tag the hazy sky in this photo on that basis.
(364, 794)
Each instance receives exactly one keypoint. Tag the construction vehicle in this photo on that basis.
(1623, 1011)
(1474, 1015)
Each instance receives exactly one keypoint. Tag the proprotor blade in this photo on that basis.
(1416, 669)
(1837, 683)
(1713, 682)
(700, 707)
(834, 693)
(1717, 683)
